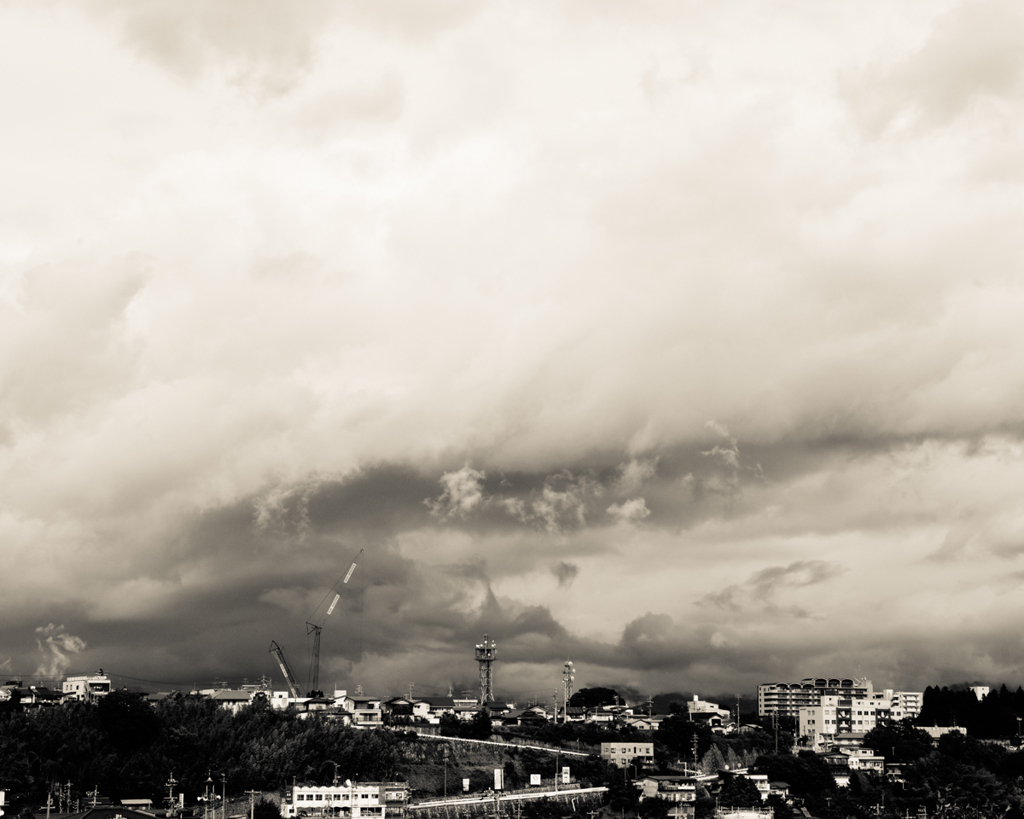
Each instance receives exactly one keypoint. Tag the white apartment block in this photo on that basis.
(821, 724)
(358, 800)
(786, 699)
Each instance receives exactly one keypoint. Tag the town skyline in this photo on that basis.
(679, 341)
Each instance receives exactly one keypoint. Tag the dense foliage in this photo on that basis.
(960, 776)
(993, 717)
(595, 697)
(127, 748)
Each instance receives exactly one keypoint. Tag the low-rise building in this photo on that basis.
(679, 791)
(232, 700)
(372, 800)
(86, 687)
(622, 754)
(366, 712)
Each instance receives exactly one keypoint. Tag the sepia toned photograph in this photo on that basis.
(449, 409)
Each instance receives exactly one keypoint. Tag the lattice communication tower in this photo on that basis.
(485, 654)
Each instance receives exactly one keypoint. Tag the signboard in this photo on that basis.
(534, 779)
(499, 778)
(565, 776)
(465, 786)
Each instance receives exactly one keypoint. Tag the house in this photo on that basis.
(401, 710)
(679, 791)
(864, 759)
(709, 718)
(609, 713)
(495, 709)
(621, 754)
(644, 723)
(37, 696)
(357, 800)
(437, 707)
(367, 712)
(232, 700)
(761, 783)
(533, 715)
(575, 713)
(850, 741)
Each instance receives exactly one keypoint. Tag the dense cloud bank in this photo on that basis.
(680, 342)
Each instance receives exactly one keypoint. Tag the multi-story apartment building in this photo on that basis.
(822, 723)
(786, 699)
(355, 800)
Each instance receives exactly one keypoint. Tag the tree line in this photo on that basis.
(126, 748)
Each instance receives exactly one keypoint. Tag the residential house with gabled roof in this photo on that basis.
(532, 715)
(436, 707)
(232, 700)
(367, 712)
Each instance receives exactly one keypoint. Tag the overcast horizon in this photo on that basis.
(679, 340)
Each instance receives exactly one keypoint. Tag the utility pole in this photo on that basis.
(223, 795)
(252, 804)
(568, 675)
(169, 784)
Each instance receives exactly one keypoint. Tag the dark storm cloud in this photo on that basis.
(347, 277)
(762, 587)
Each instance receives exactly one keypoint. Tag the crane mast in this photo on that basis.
(314, 627)
(286, 669)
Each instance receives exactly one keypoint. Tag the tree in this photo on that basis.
(740, 792)
(806, 774)
(595, 697)
(450, 725)
(128, 721)
(266, 809)
(653, 808)
(480, 726)
(900, 741)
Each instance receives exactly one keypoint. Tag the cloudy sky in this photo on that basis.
(681, 340)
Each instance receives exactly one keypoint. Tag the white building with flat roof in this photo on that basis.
(86, 687)
(354, 800)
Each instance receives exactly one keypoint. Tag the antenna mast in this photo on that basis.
(485, 654)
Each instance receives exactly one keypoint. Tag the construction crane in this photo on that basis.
(293, 685)
(314, 626)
